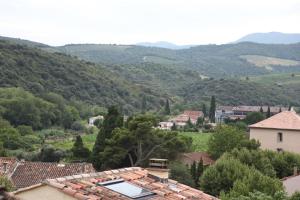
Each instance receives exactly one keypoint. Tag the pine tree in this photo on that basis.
(269, 112)
(204, 110)
(144, 104)
(112, 120)
(79, 150)
(212, 109)
(167, 108)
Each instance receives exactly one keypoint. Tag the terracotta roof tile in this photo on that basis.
(286, 120)
(30, 173)
(189, 158)
(89, 188)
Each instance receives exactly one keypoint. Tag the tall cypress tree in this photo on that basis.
(212, 109)
(204, 110)
(79, 150)
(167, 108)
(269, 112)
(112, 120)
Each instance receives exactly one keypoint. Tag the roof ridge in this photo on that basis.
(93, 174)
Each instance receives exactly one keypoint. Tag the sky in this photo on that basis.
(59, 22)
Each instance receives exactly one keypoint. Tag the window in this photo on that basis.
(279, 150)
(279, 137)
(127, 189)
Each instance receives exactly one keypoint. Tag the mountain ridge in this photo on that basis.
(271, 38)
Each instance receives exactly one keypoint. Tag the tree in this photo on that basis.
(254, 117)
(79, 150)
(268, 112)
(25, 130)
(204, 110)
(112, 120)
(236, 179)
(49, 154)
(255, 181)
(2, 150)
(174, 127)
(226, 138)
(144, 104)
(167, 108)
(77, 126)
(212, 109)
(180, 173)
(280, 110)
(200, 121)
(135, 145)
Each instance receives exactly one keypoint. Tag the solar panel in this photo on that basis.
(127, 189)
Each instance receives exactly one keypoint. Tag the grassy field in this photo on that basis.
(200, 140)
(88, 141)
(282, 79)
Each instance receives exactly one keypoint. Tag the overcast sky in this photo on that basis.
(58, 22)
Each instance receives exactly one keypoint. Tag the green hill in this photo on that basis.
(125, 74)
(207, 60)
(39, 72)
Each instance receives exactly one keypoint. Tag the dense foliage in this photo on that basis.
(226, 138)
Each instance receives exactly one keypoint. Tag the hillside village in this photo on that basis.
(149, 100)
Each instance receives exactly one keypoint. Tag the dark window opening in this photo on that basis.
(279, 137)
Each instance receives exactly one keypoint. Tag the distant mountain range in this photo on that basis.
(271, 38)
(164, 44)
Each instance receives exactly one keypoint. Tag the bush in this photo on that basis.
(25, 130)
(77, 126)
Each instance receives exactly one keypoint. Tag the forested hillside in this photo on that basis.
(129, 75)
(208, 60)
(41, 72)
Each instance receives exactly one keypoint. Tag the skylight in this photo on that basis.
(127, 189)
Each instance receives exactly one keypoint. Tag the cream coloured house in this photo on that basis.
(280, 132)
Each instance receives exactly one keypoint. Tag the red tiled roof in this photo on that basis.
(188, 114)
(24, 173)
(273, 109)
(86, 186)
(286, 120)
(189, 158)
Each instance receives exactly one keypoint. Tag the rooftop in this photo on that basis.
(189, 158)
(123, 184)
(25, 173)
(286, 120)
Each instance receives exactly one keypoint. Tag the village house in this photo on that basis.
(165, 125)
(280, 132)
(182, 119)
(24, 173)
(93, 119)
(117, 184)
(190, 158)
(240, 112)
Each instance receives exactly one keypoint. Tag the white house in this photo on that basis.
(93, 119)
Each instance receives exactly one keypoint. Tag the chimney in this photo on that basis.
(295, 171)
(158, 168)
(5, 166)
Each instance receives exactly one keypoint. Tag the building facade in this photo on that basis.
(280, 132)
